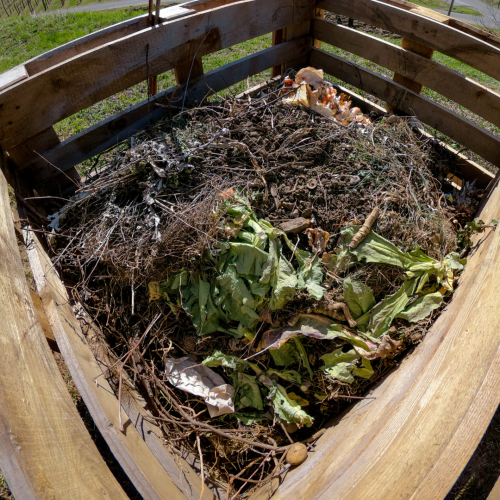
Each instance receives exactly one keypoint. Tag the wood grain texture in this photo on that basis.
(438, 36)
(45, 450)
(119, 127)
(429, 415)
(180, 470)
(451, 84)
(433, 114)
(38, 102)
(148, 476)
(495, 492)
(30, 161)
(11, 76)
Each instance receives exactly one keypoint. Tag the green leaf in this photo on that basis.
(218, 358)
(247, 259)
(375, 248)
(342, 372)
(338, 356)
(358, 296)
(285, 355)
(247, 392)
(422, 307)
(385, 311)
(249, 418)
(304, 358)
(288, 409)
(299, 399)
(288, 375)
(365, 371)
(284, 286)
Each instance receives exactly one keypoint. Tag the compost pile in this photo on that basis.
(255, 265)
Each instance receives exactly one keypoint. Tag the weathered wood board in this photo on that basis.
(45, 450)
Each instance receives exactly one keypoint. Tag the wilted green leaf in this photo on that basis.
(365, 370)
(342, 372)
(247, 392)
(422, 307)
(249, 418)
(218, 358)
(359, 297)
(304, 358)
(285, 355)
(338, 356)
(288, 409)
(382, 315)
(288, 375)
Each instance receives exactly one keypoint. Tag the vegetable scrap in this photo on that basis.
(311, 90)
(290, 249)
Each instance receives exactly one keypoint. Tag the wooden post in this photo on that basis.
(416, 48)
(290, 33)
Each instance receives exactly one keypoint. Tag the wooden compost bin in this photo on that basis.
(416, 437)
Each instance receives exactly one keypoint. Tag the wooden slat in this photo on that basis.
(464, 91)
(85, 43)
(45, 450)
(415, 438)
(27, 156)
(148, 476)
(450, 21)
(182, 470)
(438, 36)
(433, 114)
(119, 127)
(45, 98)
(12, 76)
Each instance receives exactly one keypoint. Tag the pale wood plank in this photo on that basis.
(45, 450)
(148, 476)
(181, 470)
(38, 102)
(119, 127)
(468, 49)
(433, 114)
(11, 76)
(414, 440)
(451, 84)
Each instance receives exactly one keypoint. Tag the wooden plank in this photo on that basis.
(38, 102)
(45, 450)
(451, 84)
(148, 476)
(182, 469)
(438, 36)
(450, 21)
(83, 44)
(119, 127)
(11, 76)
(278, 37)
(412, 47)
(429, 415)
(30, 161)
(433, 114)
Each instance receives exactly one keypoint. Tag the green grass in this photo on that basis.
(23, 37)
(442, 5)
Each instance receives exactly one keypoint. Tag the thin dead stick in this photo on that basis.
(124, 363)
(213, 429)
(201, 467)
(249, 479)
